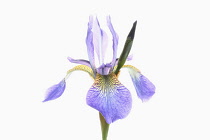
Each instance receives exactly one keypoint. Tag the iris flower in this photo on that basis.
(107, 94)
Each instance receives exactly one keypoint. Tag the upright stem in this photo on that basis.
(104, 127)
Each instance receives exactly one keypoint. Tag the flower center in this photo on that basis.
(104, 69)
(107, 84)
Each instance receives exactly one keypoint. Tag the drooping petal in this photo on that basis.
(55, 91)
(109, 97)
(89, 43)
(100, 41)
(114, 39)
(144, 88)
(79, 61)
(80, 68)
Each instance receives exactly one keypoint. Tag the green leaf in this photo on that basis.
(127, 48)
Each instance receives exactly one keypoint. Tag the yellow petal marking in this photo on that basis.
(131, 67)
(81, 68)
(106, 83)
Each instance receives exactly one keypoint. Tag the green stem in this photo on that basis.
(104, 127)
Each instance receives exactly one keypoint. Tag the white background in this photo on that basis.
(171, 48)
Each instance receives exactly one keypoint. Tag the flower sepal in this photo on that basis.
(55, 91)
(111, 98)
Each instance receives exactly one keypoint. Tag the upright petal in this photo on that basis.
(89, 43)
(144, 88)
(109, 97)
(100, 41)
(55, 91)
(114, 39)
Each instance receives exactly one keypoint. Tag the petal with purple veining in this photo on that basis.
(89, 43)
(114, 39)
(144, 88)
(55, 91)
(100, 40)
(109, 97)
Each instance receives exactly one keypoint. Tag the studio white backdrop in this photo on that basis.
(171, 48)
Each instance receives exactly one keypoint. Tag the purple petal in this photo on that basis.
(100, 40)
(79, 61)
(130, 57)
(109, 97)
(104, 43)
(89, 43)
(115, 39)
(144, 88)
(55, 91)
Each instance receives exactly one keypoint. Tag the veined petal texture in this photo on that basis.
(114, 39)
(89, 43)
(100, 40)
(109, 97)
(144, 88)
(55, 91)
